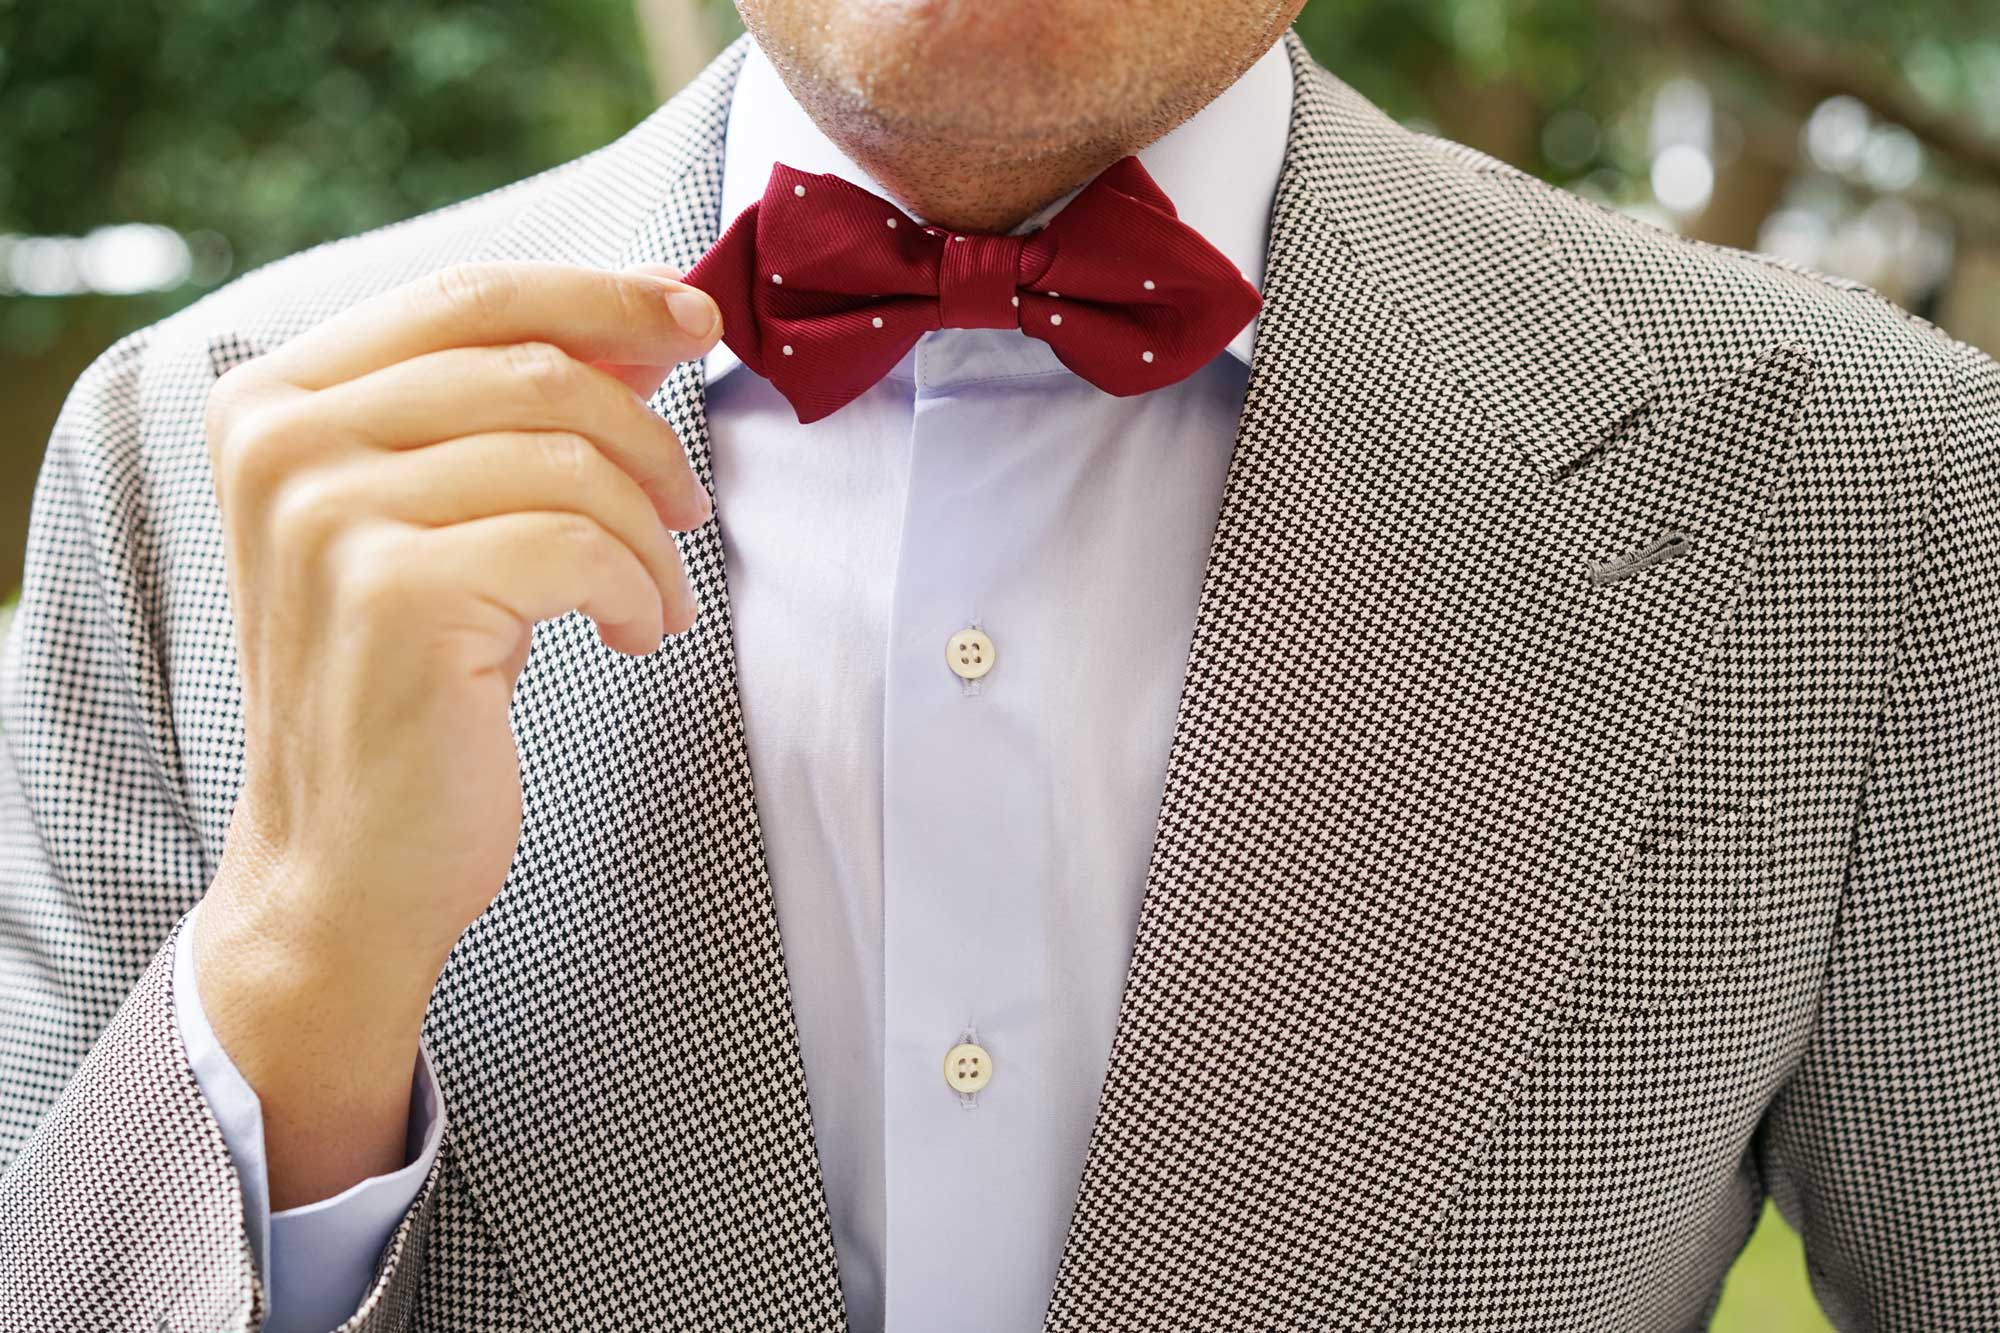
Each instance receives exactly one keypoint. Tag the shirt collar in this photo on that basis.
(1220, 166)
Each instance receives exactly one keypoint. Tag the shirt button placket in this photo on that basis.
(964, 847)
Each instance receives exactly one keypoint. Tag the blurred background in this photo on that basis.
(153, 149)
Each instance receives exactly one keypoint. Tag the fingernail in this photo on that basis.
(694, 310)
(654, 268)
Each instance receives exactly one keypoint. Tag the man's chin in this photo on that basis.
(890, 50)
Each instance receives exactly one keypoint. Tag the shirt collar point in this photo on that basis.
(1242, 344)
(719, 361)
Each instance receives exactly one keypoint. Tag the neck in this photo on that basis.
(951, 171)
(976, 193)
(972, 186)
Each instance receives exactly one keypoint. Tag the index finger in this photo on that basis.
(628, 317)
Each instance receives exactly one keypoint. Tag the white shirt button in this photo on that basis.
(969, 653)
(967, 1067)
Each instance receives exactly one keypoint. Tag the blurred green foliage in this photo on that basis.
(1566, 50)
(1456, 62)
(280, 124)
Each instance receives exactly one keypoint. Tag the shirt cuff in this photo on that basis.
(317, 1260)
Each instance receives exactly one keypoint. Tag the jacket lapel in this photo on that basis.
(615, 1034)
(1416, 737)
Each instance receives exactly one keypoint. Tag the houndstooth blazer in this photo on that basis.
(1582, 819)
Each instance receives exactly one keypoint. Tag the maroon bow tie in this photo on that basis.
(824, 286)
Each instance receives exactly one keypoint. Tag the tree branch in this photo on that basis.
(1813, 72)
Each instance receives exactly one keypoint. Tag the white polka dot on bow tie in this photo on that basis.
(1147, 357)
(1149, 284)
(778, 278)
(1055, 319)
(1055, 293)
(890, 221)
(1016, 300)
(958, 238)
(878, 321)
(799, 190)
(788, 349)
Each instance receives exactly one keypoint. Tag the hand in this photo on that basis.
(405, 490)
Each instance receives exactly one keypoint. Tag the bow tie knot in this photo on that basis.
(979, 277)
(824, 286)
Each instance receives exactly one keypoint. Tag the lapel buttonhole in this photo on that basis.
(1664, 547)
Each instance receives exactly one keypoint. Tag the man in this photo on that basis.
(1451, 778)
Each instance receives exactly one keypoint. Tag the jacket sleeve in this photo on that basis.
(1883, 1149)
(120, 1207)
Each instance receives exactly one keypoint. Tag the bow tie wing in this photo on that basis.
(1143, 300)
(823, 287)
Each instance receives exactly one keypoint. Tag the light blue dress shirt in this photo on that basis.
(952, 859)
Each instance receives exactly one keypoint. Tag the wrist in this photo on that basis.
(300, 981)
(328, 1047)
(288, 995)
(290, 938)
